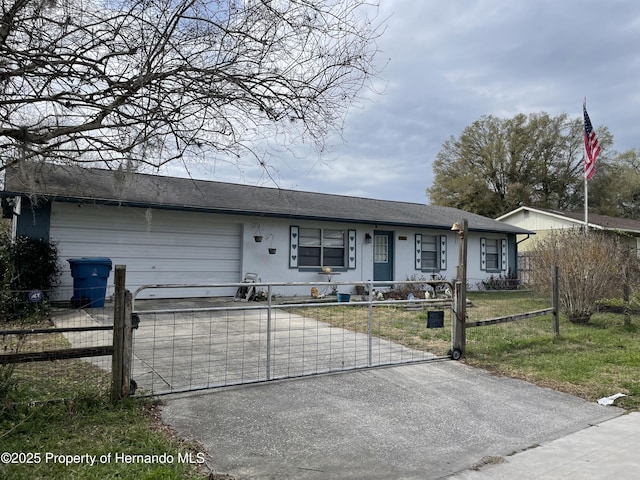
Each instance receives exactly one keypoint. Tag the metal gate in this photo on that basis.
(194, 344)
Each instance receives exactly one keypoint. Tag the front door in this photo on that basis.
(383, 256)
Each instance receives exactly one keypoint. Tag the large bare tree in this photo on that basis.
(152, 81)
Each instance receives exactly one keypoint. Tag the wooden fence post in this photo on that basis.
(458, 325)
(122, 337)
(556, 300)
(626, 294)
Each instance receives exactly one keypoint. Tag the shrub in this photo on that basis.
(402, 290)
(26, 265)
(591, 267)
(501, 282)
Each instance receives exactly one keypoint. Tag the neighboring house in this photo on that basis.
(169, 230)
(543, 221)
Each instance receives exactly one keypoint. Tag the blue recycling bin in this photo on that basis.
(90, 276)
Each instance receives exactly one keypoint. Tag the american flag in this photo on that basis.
(591, 146)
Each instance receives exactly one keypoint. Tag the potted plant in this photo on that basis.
(258, 236)
(272, 249)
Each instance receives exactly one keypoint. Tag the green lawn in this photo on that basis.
(591, 361)
(93, 427)
(85, 423)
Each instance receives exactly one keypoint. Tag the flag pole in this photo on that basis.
(586, 200)
(591, 152)
(585, 156)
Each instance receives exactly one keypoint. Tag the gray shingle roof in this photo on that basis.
(112, 187)
(603, 221)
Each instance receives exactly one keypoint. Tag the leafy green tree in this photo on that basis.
(497, 165)
(615, 189)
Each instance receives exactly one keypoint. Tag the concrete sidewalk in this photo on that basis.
(424, 421)
(609, 450)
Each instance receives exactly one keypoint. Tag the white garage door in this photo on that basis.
(157, 246)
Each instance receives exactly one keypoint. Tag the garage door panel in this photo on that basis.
(155, 254)
(180, 268)
(134, 220)
(131, 236)
(157, 238)
(140, 231)
(166, 277)
(156, 246)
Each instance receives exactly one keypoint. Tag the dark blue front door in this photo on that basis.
(383, 256)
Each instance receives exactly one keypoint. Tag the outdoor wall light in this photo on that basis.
(367, 238)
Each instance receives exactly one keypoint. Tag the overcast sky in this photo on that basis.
(449, 63)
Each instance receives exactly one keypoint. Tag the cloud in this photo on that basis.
(447, 64)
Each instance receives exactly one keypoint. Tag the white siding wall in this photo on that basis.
(536, 221)
(540, 223)
(157, 246)
(170, 247)
(275, 268)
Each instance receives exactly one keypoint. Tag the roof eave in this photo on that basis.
(225, 211)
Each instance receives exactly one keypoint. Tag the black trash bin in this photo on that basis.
(90, 276)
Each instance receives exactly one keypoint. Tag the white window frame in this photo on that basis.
(440, 250)
(299, 239)
(501, 254)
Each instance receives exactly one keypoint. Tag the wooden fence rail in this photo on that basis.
(510, 318)
(120, 350)
(51, 355)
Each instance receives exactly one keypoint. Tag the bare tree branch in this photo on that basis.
(152, 81)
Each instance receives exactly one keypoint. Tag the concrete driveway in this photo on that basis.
(421, 421)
